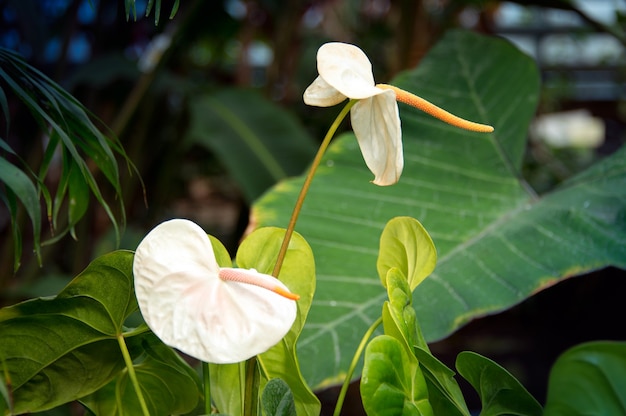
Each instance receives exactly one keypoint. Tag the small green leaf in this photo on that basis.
(23, 189)
(392, 382)
(68, 340)
(221, 254)
(444, 393)
(500, 393)
(277, 399)
(168, 385)
(399, 321)
(405, 244)
(588, 379)
(399, 318)
(260, 251)
(78, 192)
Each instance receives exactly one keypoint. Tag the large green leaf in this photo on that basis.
(259, 142)
(497, 241)
(168, 385)
(500, 393)
(60, 349)
(588, 379)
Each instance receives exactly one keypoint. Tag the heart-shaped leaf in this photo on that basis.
(588, 379)
(259, 251)
(168, 385)
(392, 382)
(277, 399)
(500, 392)
(497, 241)
(405, 244)
(68, 341)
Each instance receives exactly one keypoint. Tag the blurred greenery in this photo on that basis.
(149, 80)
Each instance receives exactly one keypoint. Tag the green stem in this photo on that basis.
(307, 183)
(355, 361)
(132, 375)
(251, 393)
(206, 377)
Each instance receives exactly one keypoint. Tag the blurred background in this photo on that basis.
(151, 79)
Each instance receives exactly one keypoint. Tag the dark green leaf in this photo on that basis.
(234, 125)
(23, 189)
(70, 340)
(392, 382)
(589, 379)
(168, 384)
(500, 393)
(277, 399)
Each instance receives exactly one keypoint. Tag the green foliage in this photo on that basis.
(71, 132)
(405, 244)
(259, 251)
(169, 385)
(236, 126)
(131, 8)
(497, 241)
(500, 393)
(60, 349)
(392, 382)
(277, 399)
(399, 321)
(588, 379)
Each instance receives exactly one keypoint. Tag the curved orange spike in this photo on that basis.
(430, 108)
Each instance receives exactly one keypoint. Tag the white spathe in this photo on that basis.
(346, 72)
(187, 305)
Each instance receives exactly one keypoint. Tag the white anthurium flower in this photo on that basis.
(346, 72)
(217, 315)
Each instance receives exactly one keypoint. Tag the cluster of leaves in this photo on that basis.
(80, 344)
(79, 348)
(71, 139)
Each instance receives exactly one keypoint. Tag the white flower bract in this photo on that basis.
(189, 307)
(346, 72)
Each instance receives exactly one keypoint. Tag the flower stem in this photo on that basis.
(206, 377)
(251, 393)
(355, 361)
(131, 373)
(307, 183)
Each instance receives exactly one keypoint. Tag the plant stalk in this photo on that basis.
(307, 183)
(353, 364)
(206, 377)
(132, 374)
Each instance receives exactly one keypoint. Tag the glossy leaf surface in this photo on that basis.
(588, 379)
(69, 340)
(168, 385)
(392, 382)
(500, 393)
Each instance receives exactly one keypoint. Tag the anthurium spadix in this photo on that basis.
(217, 315)
(346, 72)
